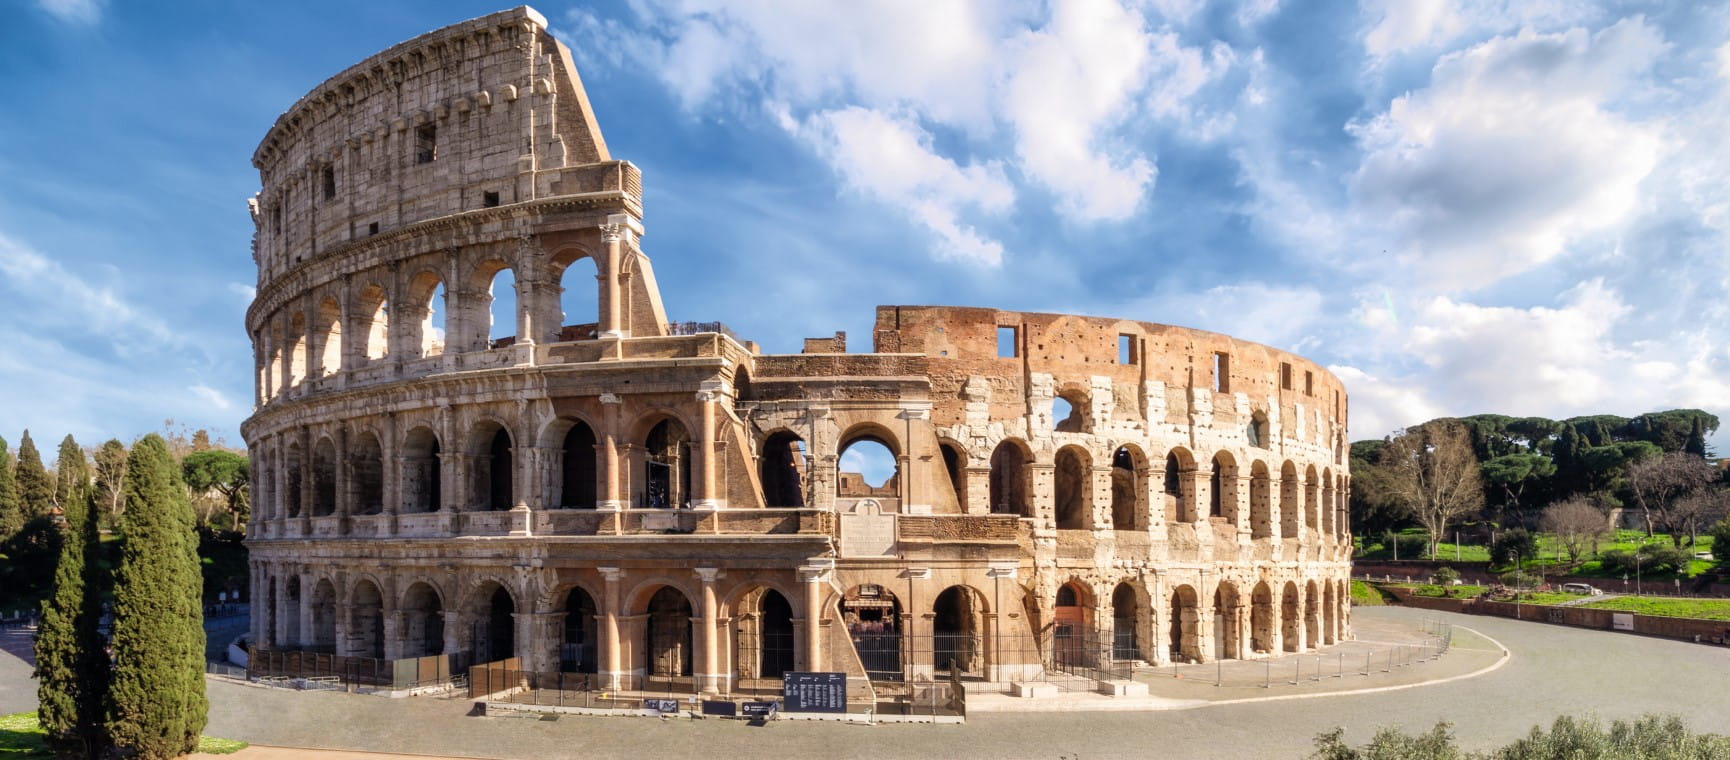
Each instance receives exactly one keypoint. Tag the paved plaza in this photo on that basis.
(1552, 670)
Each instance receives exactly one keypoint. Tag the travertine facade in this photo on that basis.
(634, 497)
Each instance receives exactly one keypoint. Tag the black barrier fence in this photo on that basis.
(505, 681)
(320, 669)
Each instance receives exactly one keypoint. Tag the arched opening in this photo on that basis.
(1263, 634)
(1312, 495)
(775, 635)
(421, 491)
(495, 634)
(577, 459)
(494, 470)
(502, 309)
(426, 316)
(579, 650)
(1180, 498)
(366, 484)
(873, 617)
(294, 470)
(1073, 487)
(324, 617)
(1312, 615)
(289, 614)
(1290, 510)
(1125, 619)
(668, 634)
(579, 297)
(1071, 622)
(366, 622)
(1128, 476)
(1330, 619)
(1009, 479)
(956, 630)
(272, 610)
(1327, 503)
(423, 633)
(782, 470)
(1256, 432)
(1225, 631)
(329, 337)
(954, 464)
(1260, 502)
(1291, 617)
(1185, 620)
(374, 328)
(323, 478)
(1070, 411)
(667, 465)
(297, 349)
(868, 469)
(1222, 488)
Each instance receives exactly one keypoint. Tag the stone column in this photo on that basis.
(306, 635)
(612, 315)
(395, 623)
(815, 575)
(612, 669)
(454, 633)
(706, 493)
(283, 638)
(611, 480)
(710, 679)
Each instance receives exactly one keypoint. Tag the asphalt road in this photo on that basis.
(1553, 670)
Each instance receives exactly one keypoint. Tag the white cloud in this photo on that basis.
(1274, 315)
(243, 290)
(61, 299)
(1409, 24)
(73, 11)
(1510, 153)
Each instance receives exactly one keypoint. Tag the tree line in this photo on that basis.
(1532, 473)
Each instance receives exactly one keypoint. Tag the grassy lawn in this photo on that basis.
(1365, 595)
(1548, 597)
(1707, 609)
(1462, 591)
(21, 738)
(1552, 558)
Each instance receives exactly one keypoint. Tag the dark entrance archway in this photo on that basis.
(873, 617)
(668, 633)
(776, 637)
(956, 631)
(578, 652)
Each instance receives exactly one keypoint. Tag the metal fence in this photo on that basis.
(280, 666)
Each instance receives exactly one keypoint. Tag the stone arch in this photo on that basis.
(493, 310)
(667, 464)
(577, 276)
(366, 474)
(365, 626)
(1079, 416)
(575, 477)
(667, 633)
(422, 490)
(1222, 488)
(491, 615)
(323, 477)
(329, 327)
(1129, 622)
(1290, 509)
(873, 617)
(323, 608)
(1071, 625)
(425, 319)
(763, 616)
(1179, 488)
(296, 355)
(423, 625)
(1011, 478)
(1291, 617)
(955, 466)
(1185, 625)
(782, 469)
(1260, 501)
(294, 470)
(1257, 432)
(579, 649)
(1312, 615)
(1128, 488)
(1225, 629)
(290, 616)
(1330, 612)
(1072, 486)
(493, 466)
(1263, 631)
(1327, 503)
(958, 628)
(867, 433)
(372, 332)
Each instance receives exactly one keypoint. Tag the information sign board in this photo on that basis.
(725, 708)
(662, 705)
(815, 692)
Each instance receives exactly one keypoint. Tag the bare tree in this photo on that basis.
(1695, 511)
(1435, 473)
(1660, 483)
(1575, 523)
(110, 461)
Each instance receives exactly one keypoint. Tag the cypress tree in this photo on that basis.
(71, 473)
(1696, 444)
(35, 489)
(11, 512)
(71, 665)
(156, 704)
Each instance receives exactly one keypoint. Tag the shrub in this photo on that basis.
(1446, 576)
(1512, 542)
(1411, 546)
(1655, 737)
(1721, 542)
(1650, 558)
(1518, 579)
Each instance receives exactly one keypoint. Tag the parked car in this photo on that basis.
(1581, 588)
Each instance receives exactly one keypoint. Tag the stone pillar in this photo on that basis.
(815, 576)
(612, 313)
(611, 480)
(346, 646)
(612, 668)
(710, 678)
(455, 635)
(306, 635)
(283, 638)
(395, 623)
(705, 492)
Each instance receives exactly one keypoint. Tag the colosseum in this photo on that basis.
(477, 432)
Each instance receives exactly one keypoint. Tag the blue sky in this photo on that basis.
(1466, 207)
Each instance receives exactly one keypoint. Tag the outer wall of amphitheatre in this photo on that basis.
(637, 498)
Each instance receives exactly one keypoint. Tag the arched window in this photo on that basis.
(421, 490)
(1223, 488)
(330, 337)
(323, 478)
(953, 461)
(1257, 430)
(782, 470)
(367, 481)
(1074, 490)
(1009, 479)
(1127, 475)
(297, 350)
(502, 309)
(868, 468)
(1071, 411)
(374, 318)
(667, 476)
(1290, 509)
(579, 298)
(428, 307)
(499, 470)
(577, 458)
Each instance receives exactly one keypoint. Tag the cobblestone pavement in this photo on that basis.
(1553, 670)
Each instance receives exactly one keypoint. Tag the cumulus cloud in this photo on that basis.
(211, 396)
(73, 11)
(1510, 153)
(1408, 24)
(63, 300)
